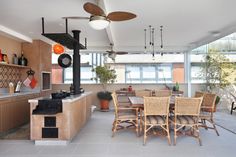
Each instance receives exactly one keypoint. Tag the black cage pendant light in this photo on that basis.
(151, 45)
(161, 31)
(151, 40)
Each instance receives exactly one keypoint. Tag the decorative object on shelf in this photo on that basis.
(5, 58)
(98, 19)
(105, 75)
(64, 60)
(22, 60)
(15, 59)
(58, 49)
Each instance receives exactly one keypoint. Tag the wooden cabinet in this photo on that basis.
(14, 112)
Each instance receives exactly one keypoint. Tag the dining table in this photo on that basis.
(139, 101)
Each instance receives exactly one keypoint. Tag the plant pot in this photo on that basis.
(104, 105)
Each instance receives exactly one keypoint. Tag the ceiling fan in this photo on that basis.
(112, 54)
(98, 19)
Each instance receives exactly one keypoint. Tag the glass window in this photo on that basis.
(196, 77)
(164, 74)
(149, 72)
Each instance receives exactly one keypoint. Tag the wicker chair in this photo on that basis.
(207, 111)
(198, 94)
(143, 93)
(163, 93)
(186, 115)
(124, 115)
(156, 113)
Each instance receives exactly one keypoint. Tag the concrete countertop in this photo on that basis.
(8, 95)
(69, 99)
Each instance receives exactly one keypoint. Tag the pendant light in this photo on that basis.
(58, 49)
(161, 31)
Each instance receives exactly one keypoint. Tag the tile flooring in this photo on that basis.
(95, 140)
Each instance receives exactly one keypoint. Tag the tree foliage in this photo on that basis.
(105, 75)
(218, 70)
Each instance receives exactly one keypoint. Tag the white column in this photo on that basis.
(187, 72)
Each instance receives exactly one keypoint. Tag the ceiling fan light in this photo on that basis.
(98, 22)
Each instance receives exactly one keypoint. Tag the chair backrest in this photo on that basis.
(198, 94)
(143, 93)
(163, 93)
(115, 101)
(187, 106)
(209, 100)
(156, 105)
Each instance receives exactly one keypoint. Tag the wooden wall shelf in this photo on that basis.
(14, 65)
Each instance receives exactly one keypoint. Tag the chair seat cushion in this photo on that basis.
(186, 120)
(153, 120)
(127, 116)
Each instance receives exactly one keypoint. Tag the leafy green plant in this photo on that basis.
(105, 75)
(104, 95)
(218, 70)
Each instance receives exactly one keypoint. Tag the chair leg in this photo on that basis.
(175, 134)
(114, 128)
(198, 135)
(145, 135)
(137, 127)
(214, 126)
(168, 134)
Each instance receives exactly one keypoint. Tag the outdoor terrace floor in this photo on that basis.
(95, 140)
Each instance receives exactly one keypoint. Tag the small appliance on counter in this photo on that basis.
(18, 86)
(60, 95)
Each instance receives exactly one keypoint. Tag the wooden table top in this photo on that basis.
(139, 101)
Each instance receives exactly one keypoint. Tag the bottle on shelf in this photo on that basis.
(22, 60)
(15, 59)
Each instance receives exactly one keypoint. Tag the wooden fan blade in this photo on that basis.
(120, 16)
(93, 9)
(121, 53)
(110, 51)
(76, 17)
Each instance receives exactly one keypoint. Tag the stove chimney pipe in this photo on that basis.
(76, 62)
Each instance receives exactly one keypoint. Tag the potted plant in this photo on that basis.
(105, 75)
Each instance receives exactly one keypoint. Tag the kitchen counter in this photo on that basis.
(69, 99)
(61, 127)
(8, 95)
